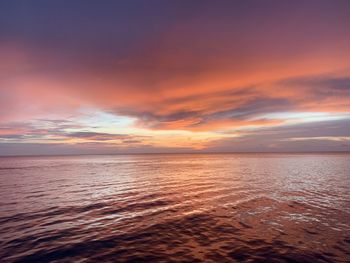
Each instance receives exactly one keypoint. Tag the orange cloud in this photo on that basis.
(202, 72)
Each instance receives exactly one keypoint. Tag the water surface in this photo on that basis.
(166, 208)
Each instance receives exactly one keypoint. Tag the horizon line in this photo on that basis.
(175, 153)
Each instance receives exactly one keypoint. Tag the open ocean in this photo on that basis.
(176, 208)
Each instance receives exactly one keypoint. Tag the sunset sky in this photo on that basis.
(174, 76)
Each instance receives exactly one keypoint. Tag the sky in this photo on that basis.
(104, 77)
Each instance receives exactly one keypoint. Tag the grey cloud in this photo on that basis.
(9, 149)
(277, 138)
(252, 108)
(98, 136)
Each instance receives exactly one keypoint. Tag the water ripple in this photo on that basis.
(175, 208)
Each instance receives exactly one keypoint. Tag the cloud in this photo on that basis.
(98, 136)
(106, 137)
(319, 136)
(186, 74)
(60, 131)
(13, 148)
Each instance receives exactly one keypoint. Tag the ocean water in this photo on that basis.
(176, 208)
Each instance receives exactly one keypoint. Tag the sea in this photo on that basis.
(257, 207)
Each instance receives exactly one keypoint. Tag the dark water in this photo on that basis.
(176, 208)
